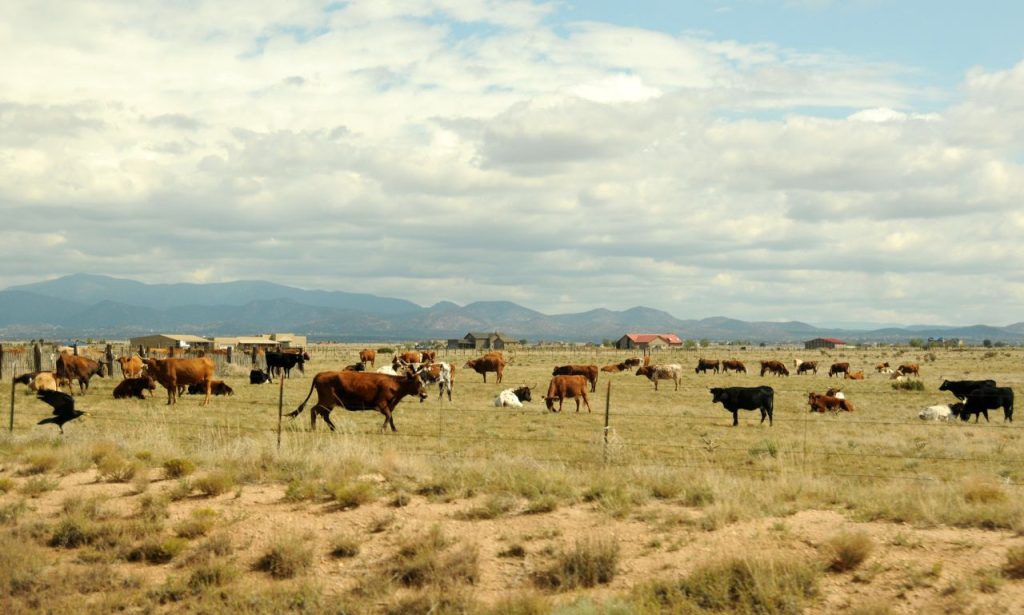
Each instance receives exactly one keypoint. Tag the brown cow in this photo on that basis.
(490, 362)
(775, 367)
(411, 356)
(883, 368)
(632, 362)
(175, 373)
(909, 368)
(134, 387)
(733, 365)
(39, 381)
(429, 356)
(855, 375)
(823, 403)
(587, 371)
(807, 366)
(356, 391)
(562, 387)
(838, 368)
(703, 365)
(367, 355)
(654, 373)
(614, 368)
(71, 367)
(131, 367)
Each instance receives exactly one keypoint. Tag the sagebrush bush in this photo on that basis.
(344, 545)
(156, 550)
(197, 524)
(1013, 567)
(286, 557)
(217, 482)
(847, 550)
(178, 467)
(589, 563)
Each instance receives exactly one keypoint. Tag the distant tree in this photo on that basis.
(705, 342)
(689, 344)
(916, 342)
(987, 343)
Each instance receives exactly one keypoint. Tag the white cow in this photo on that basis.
(941, 412)
(513, 398)
(669, 371)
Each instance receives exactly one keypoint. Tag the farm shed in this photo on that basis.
(166, 340)
(824, 342)
(646, 341)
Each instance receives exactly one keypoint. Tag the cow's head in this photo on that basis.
(550, 403)
(523, 394)
(471, 364)
(944, 386)
(421, 387)
(716, 394)
(645, 370)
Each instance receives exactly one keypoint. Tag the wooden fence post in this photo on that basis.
(607, 414)
(10, 425)
(37, 357)
(2, 363)
(110, 360)
(280, 410)
(230, 354)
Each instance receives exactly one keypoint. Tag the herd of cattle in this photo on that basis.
(356, 388)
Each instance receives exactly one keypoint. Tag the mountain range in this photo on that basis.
(85, 305)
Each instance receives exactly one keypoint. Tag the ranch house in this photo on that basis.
(483, 341)
(168, 340)
(648, 341)
(824, 342)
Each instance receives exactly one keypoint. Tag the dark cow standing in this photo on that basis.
(961, 388)
(355, 391)
(733, 365)
(278, 362)
(563, 387)
(71, 367)
(703, 365)
(838, 368)
(775, 367)
(587, 371)
(807, 366)
(735, 399)
(981, 400)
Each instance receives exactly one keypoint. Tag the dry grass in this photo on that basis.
(1013, 567)
(587, 564)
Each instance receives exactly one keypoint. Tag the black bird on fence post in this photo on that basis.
(63, 408)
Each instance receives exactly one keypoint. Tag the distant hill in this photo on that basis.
(84, 305)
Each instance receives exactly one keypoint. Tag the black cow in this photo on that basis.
(703, 365)
(981, 400)
(745, 398)
(960, 388)
(278, 362)
(258, 376)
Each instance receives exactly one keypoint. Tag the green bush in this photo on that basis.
(178, 468)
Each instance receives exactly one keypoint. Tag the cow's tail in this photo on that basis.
(302, 406)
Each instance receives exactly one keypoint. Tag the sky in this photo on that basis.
(828, 161)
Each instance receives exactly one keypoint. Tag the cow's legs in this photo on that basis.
(327, 419)
(585, 401)
(735, 418)
(209, 385)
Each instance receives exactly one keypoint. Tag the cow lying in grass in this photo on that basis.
(135, 387)
(941, 412)
(825, 403)
(513, 398)
(217, 387)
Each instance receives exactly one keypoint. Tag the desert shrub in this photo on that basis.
(179, 490)
(40, 462)
(153, 507)
(10, 512)
(215, 483)
(21, 567)
(156, 550)
(114, 468)
(286, 557)
(178, 468)
(351, 494)
(301, 491)
(1013, 567)
(587, 564)
(36, 486)
(428, 560)
(736, 585)
(197, 524)
(385, 350)
(493, 506)
(980, 492)
(72, 532)
(344, 545)
(6, 484)
(908, 385)
(211, 574)
(847, 550)
(522, 603)
(516, 551)
(542, 504)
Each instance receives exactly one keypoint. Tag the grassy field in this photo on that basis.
(472, 508)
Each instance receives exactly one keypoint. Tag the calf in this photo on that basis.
(614, 368)
(131, 367)
(135, 387)
(774, 367)
(941, 412)
(562, 387)
(587, 371)
(735, 399)
(654, 373)
(258, 376)
(909, 368)
(838, 368)
(734, 365)
(823, 403)
(981, 400)
(703, 365)
(355, 367)
(961, 388)
(217, 387)
(859, 375)
(883, 368)
(513, 398)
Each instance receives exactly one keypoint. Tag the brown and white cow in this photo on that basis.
(567, 387)
(587, 371)
(179, 373)
(356, 391)
(654, 373)
(824, 403)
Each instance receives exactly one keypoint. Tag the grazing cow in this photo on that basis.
(733, 365)
(654, 373)
(355, 367)
(258, 376)
(563, 387)
(283, 362)
(735, 399)
(941, 412)
(614, 368)
(513, 398)
(961, 388)
(703, 365)
(217, 387)
(859, 375)
(587, 371)
(411, 356)
(909, 368)
(443, 374)
(356, 391)
(807, 366)
(981, 400)
(632, 362)
(175, 373)
(135, 387)
(71, 367)
(774, 367)
(367, 355)
(824, 403)
(883, 368)
(838, 368)
(131, 367)
(490, 362)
